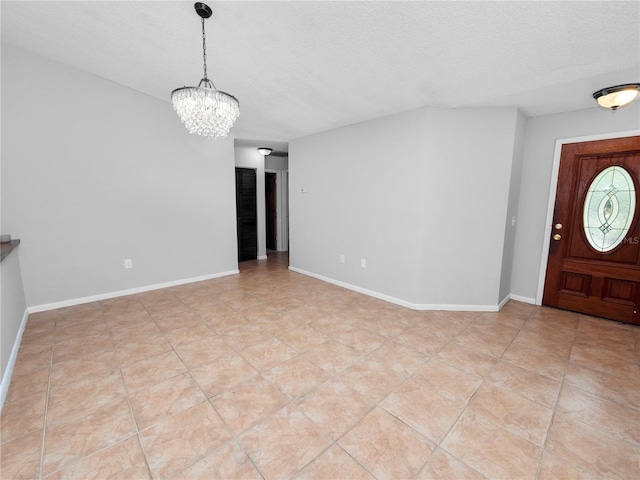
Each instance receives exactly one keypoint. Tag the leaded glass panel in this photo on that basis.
(609, 208)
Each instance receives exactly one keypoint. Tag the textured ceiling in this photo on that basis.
(303, 67)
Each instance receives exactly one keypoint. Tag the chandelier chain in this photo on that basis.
(204, 49)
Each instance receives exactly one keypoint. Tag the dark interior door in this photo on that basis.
(594, 255)
(270, 186)
(247, 217)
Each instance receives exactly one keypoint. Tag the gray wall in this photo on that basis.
(423, 196)
(94, 173)
(512, 210)
(541, 135)
(12, 310)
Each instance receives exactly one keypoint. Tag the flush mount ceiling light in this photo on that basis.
(265, 150)
(204, 109)
(617, 96)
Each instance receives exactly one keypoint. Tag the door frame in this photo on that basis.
(555, 170)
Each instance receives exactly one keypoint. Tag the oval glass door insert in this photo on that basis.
(609, 208)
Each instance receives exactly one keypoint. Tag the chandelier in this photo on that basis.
(204, 109)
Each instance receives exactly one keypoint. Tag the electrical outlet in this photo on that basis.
(128, 263)
(341, 258)
(363, 263)
(513, 221)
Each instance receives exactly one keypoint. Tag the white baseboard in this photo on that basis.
(519, 298)
(398, 301)
(122, 293)
(262, 257)
(503, 302)
(6, 378)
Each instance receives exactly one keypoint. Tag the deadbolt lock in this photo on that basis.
(557, 237)
(558, 226)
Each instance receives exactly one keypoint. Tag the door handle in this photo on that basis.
(558, 226)
(557, 237)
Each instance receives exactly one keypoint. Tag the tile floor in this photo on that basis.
(271, 374)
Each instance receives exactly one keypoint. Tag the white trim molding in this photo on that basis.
(399, 301)
(8, 372)
(123, 293)
(555, 170)
(520, 298)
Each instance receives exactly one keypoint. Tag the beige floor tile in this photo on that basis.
(303, 338)
(423, 409)
(526, 383)
(70, 441)
(387, 447)
(126, 334)
(178, 321)
(246, 335)
(617, 420)
(23, 417)
(248, 403)
(20, 458)
(360, 339)
(284, 443)
(491, 450)
(334, 463)
(555, 345)
(63, 352)
(469, 361)
(335, 407)
(223, 374)
(523, 417)
(203, 351)
(444, 466)
(123, 460)
(32, 357)
(75, 333)
(592, 449)
(607, 360)
(84, 367)
(227, 462)
(502, 332)
(381, 381)
(223, 322)
(449, 382)
(553, 467)
(27, 384)
(141, 348)
(479, 342)
(152, 370)
(371, 378)
(296, 377)
(78, 399)
(184, 336)
(422, 340)
(180, 441)
(266, 355)
(397, 357)
(165, 399)
(619, 390)
(539, 362)
(333, 357)
(387, 327)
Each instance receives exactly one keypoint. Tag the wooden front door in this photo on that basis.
(246, 211)
(270, 191)
(594, 254)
